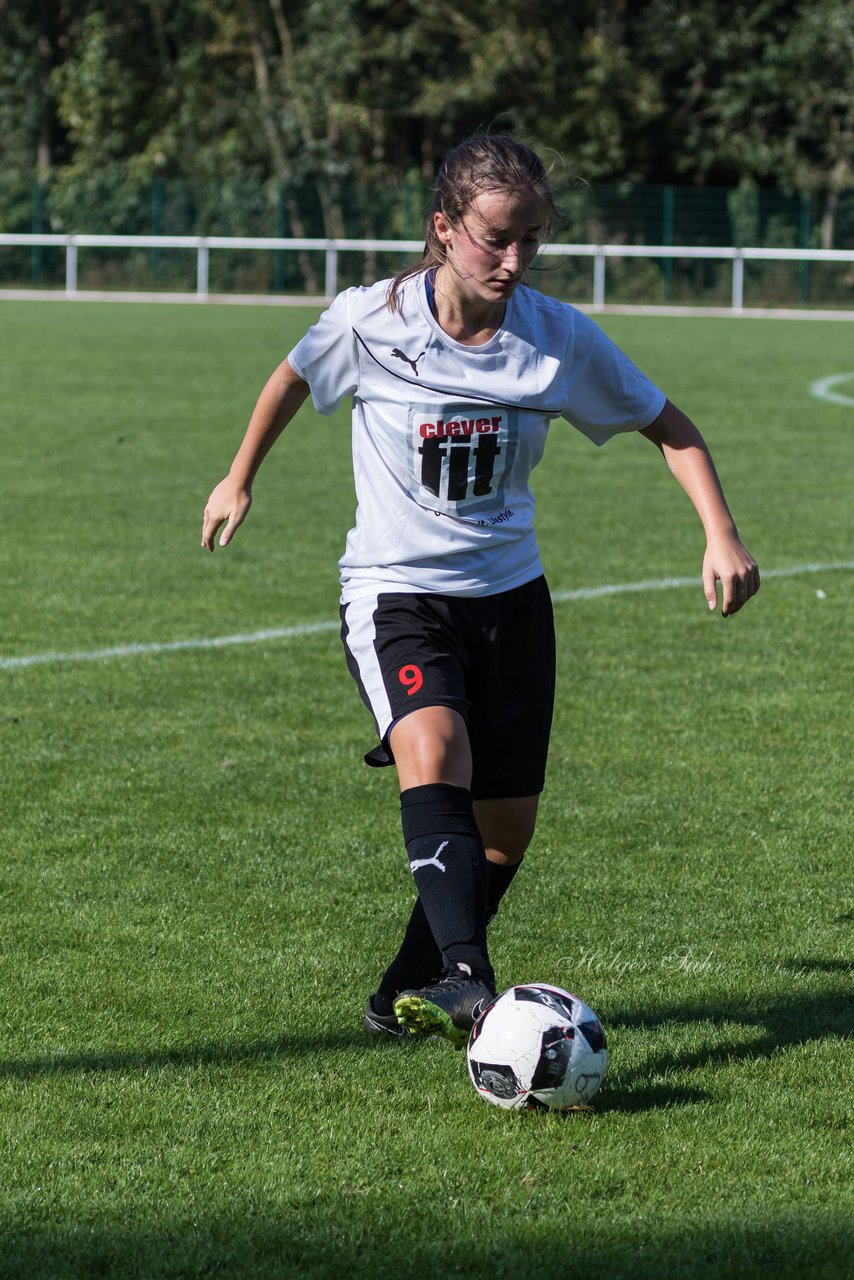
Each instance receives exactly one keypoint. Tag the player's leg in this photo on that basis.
(429, 744)
(409, 661)
(510, 686)
(448, 863)
(512, 693)
(432, 749)
(506, 828)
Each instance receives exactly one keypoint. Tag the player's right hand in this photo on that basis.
(228, 505)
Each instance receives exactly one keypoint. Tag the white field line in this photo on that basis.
(825, 389)
(666, 584)
(313, 628)
(168, 646)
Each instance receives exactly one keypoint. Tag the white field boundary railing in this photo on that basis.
(202, 245)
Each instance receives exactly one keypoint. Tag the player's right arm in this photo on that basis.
(231, 499)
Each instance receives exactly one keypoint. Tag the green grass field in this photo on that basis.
(201, 881)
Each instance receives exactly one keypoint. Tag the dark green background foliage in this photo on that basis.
(315, 114)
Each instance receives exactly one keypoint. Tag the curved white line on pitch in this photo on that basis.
(823, 389)
(313, 628)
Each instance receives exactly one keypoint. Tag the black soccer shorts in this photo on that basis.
(491, 658)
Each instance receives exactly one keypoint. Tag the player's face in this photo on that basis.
(491, 247)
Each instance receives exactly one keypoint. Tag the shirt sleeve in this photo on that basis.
(606, 393)
(327, 358)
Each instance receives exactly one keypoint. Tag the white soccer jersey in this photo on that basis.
(445, 436)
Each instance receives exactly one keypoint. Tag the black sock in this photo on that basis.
(419, 960)
(447, 859)
(498, 880)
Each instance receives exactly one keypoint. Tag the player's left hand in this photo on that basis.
(729, 562)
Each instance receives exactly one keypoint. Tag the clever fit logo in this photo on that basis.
(457, 456)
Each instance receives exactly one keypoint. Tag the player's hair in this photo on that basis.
(484, 162)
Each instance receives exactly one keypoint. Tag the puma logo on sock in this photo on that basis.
(430, 862)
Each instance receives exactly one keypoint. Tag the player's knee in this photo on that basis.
(431, 745)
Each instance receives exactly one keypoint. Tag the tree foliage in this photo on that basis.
(340, 98)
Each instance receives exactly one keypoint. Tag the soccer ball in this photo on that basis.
(537, 1047)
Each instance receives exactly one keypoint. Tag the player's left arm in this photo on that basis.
(727, 560)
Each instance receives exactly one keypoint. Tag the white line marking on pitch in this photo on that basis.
(313, 628)
(823, 389)
(169, 646)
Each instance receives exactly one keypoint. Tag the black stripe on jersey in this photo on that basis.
(443, 391)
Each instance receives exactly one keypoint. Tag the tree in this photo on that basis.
(767, 95)
(332, 105)
(809, 138)
(30, 38)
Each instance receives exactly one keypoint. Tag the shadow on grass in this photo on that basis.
(813, 965)
(324, 1241)
(788, 1021)
(213, 1053)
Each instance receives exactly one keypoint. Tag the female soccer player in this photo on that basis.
(455, 369)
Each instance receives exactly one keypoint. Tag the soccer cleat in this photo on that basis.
(383, 1024)
(449, 1007)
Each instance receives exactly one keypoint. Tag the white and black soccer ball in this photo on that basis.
(537, 1046)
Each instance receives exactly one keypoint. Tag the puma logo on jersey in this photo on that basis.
(430, 862)
(413, 364)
